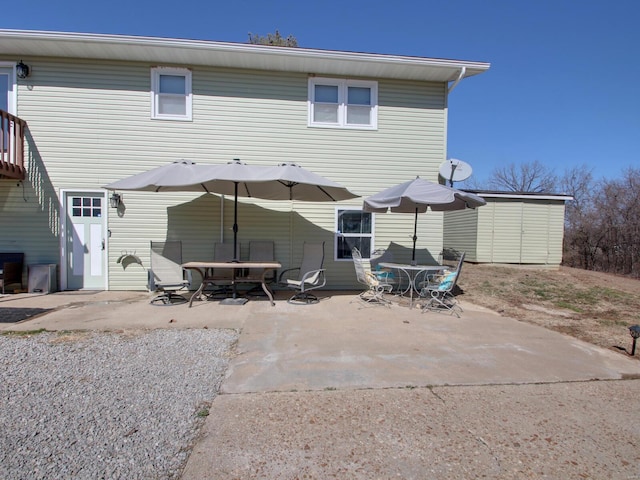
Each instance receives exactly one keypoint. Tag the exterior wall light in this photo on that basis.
(635, 334)
(22, 70)
(115, 200)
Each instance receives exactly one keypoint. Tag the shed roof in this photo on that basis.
(522, 195)
(24, 43)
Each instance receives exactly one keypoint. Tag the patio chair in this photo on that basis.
(220, 279)
(311, 275)
(166, 273)
(259, 251)
(376, 285)
(438, 291)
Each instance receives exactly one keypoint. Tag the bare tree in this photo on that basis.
(618, 206)
(578, 182)
(523, 177)
(274, 39)
(581, 238)
(603, 222)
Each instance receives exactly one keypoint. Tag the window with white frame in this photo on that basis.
(170, 93)
(354, 228)
(339, 103)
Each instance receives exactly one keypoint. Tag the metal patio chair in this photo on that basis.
(437, 291)
(166, 273)
(220, 279)
(259, 251)
(311, 275)
(377, 285)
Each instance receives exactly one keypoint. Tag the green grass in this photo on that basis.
(19, 333)
(203, 413)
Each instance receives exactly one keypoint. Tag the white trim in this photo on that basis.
(233, 55)
(13, 80)
(533, 196)
(156, 72)
(337, 234)
(342, 84)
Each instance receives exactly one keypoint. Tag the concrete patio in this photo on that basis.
(345, 389)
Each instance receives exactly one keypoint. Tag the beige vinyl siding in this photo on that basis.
(509, 231)
(506, 233)
(90, 124)
(556, 232)
(461, 232)
(29, 220)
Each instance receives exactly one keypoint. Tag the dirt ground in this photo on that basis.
(595, 307)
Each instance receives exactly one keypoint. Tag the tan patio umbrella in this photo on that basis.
(417, 196)
(289, 181)
(282, 182)
(180, 176)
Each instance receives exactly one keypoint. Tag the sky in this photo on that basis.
(563, 86)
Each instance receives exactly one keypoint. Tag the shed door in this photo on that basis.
(85, 249)
(535, 233)
(507, 232)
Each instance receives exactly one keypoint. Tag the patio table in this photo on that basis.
(412, 272)
(204, 267)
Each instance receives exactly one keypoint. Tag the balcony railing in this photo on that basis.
(11, 146)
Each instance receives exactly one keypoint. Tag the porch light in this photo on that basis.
(22, 70)
(635, 333)
(115, 200)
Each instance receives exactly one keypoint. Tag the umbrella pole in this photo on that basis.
(235, 224)
(234, 300)
(415, 237)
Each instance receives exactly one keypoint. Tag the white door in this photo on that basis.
(7, 103)
(85, 240)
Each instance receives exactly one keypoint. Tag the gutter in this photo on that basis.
(463, 70)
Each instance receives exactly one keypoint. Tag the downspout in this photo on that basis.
(463, 70)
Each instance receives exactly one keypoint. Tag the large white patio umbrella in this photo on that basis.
(417, 196)
(180, 176)
(282, 182)
(289, 181)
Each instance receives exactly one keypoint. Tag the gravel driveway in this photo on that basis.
(89, 405)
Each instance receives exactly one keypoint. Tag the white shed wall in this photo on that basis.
(509, 230)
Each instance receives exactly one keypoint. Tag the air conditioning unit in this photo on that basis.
(43, 278)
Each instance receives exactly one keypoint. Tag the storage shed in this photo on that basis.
(512, 228)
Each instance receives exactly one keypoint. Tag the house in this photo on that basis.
(512, 228)
(87, 110)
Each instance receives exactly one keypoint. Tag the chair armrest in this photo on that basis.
(151, 282)
(321, 281)
(187, 274)
(284, 272)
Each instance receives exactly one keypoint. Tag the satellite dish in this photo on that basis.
(455, 170)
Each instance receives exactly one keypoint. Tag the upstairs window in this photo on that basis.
(336, 103)
(171, 93)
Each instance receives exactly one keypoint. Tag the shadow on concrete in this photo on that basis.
(15, 315)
